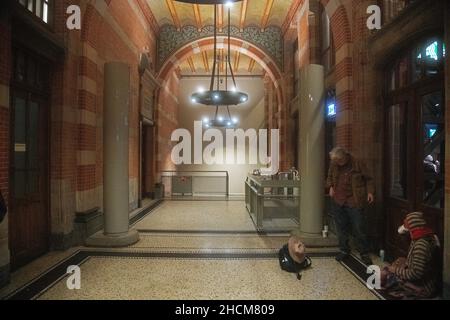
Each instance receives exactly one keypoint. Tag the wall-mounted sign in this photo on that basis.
(20, 147)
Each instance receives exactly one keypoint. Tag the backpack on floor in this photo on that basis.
(290, 265)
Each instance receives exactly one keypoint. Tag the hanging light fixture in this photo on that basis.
(216, 95)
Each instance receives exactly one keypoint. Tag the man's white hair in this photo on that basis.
(338, 153)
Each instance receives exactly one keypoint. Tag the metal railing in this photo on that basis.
(273, 204)
(196, 183)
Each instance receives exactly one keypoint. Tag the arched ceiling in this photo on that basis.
(257, 21)
(260, 13)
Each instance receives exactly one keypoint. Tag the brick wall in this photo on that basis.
(167, 121)
(111, 31)
(366, 118)
(118, 32)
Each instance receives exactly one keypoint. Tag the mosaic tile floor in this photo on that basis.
(190, 250)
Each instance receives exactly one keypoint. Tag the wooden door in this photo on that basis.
(29, 161)
(399, 163)
(148, 180)
(415, 142)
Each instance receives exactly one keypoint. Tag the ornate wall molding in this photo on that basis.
(270, 40)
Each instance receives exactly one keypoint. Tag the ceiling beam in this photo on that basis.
(220, 18)
(266, 15)
(244, 7)
(173, 13)
(251, 65)
(198, 17)
(191, 64)
(237, 58)
(205, 60)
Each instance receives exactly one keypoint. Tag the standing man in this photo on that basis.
(352, 189)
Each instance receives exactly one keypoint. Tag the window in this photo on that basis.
(433, 137)
(327, 51)
(397, 132)
(428, 59)
(425, 61)
(41, 8)
(30, 72)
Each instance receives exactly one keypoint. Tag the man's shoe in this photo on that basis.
(341, 256)
(365, 258)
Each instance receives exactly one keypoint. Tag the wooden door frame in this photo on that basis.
(437, 86)
(144, 125)
(410, 95)
(389, 201)
(45, 97)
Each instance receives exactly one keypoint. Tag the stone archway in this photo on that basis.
(269, 66)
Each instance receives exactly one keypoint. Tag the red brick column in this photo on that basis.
(89, 86)
(367, 115)
(340, 26)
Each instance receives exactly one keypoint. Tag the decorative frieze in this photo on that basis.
(270, 40)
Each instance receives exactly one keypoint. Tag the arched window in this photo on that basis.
(41, 8)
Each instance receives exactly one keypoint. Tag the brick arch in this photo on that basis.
(240, 45)
(342, 37)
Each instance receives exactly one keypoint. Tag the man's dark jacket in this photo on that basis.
(362, 181)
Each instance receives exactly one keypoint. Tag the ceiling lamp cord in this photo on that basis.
(221, 97)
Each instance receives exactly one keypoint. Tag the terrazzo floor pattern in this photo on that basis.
(187, 279)
(219, 227)
(198, 215)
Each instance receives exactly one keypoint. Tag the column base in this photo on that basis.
(111, 241)
(316, 240)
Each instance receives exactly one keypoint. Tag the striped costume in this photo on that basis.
(421, 270)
